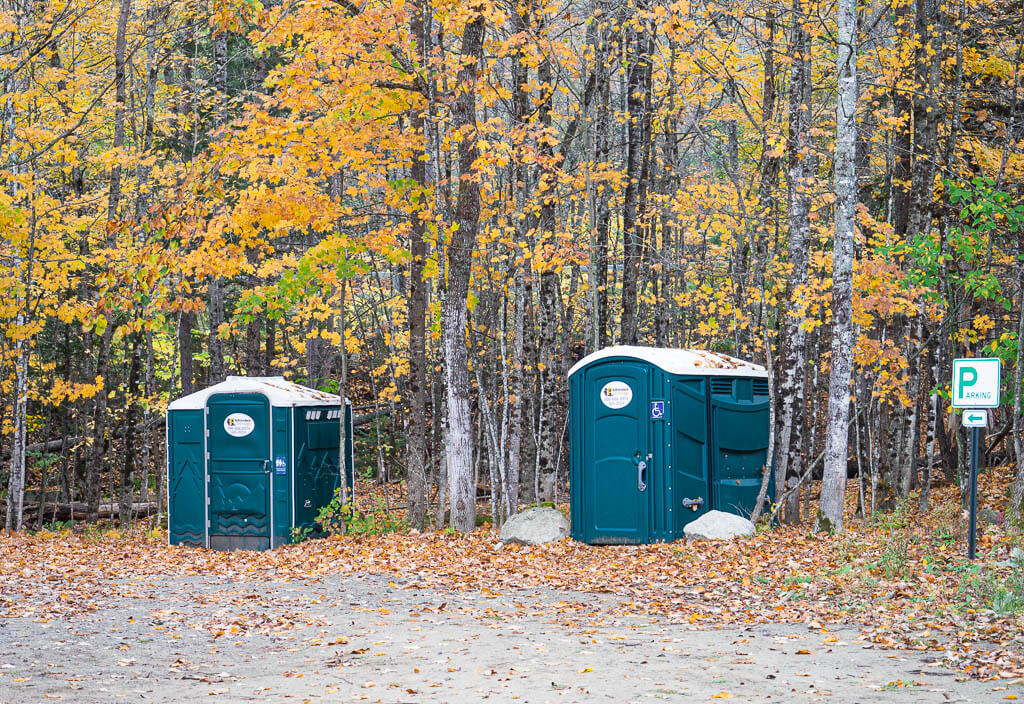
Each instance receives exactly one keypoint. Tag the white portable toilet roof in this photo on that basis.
(675, 361)
(280, 392)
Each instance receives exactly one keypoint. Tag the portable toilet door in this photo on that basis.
(316, 457)
(230, 464)
(238, 472)
(651, 448)
(740, 427)
(612, 439)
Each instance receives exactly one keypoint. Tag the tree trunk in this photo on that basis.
(131, 412)
(215, 345)
(833, 487)
(547, 450)
(1016, 507)
(632, 234)
(22, 347)
(121, 97)
(215, 299)
(602, 126)
(97, 453)
(416, 421)
(94, 468)
(459, 443)
(899, 178)
(770, 170)
(186, 323)
(515, 421)
(792, 357)
(22, 350)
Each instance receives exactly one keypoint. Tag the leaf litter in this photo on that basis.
(902, 579)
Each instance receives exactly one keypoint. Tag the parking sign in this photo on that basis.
(976, 382)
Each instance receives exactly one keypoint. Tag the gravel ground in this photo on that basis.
(189, 639)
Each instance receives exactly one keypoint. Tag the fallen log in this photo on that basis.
(72, 440)
(79, 511)
(367, 417)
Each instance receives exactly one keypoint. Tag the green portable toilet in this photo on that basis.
(660, 436)
(249, 460)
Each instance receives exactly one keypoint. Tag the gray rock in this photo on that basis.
(718, 525)
(989, 516)
(535, 526)
(1016, 558)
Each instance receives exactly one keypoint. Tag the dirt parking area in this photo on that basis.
(178, 639)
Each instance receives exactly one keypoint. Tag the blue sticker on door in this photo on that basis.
(281, 464)
(657, 410)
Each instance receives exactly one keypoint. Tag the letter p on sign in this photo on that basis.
(976, 382)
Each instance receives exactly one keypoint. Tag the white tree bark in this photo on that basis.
(16, 481)
(793, 344)
(459, 441)
(515, 423)
(833, 487)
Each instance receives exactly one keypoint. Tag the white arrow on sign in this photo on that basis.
(975, 418)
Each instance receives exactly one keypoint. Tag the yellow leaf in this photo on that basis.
(721, 695)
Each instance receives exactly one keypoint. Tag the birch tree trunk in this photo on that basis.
(337, 188)
(833, 486)
(602, 127)
(459, 441)
(22, 348)
(547, 450)
(515, 421)
(793, 344)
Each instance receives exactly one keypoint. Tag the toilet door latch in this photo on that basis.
(693, 504)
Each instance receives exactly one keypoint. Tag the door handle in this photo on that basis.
(266, 466)
(693, 504)
(640, 467)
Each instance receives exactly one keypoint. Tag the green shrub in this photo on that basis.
(988, 588)
(342, 518)
(893, 559)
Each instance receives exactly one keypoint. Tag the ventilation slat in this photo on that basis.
(721, 386)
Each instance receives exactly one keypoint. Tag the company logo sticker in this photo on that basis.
(616, 394)
(239, 425)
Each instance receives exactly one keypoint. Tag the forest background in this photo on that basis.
(436, 207)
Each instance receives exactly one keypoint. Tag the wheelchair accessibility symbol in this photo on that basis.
(657, 410)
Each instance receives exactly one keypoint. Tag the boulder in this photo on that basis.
(718, 525)
(990, 517)
(1016, 558)
(535, 526)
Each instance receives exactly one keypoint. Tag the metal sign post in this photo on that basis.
(974, 494)
(975, 387)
